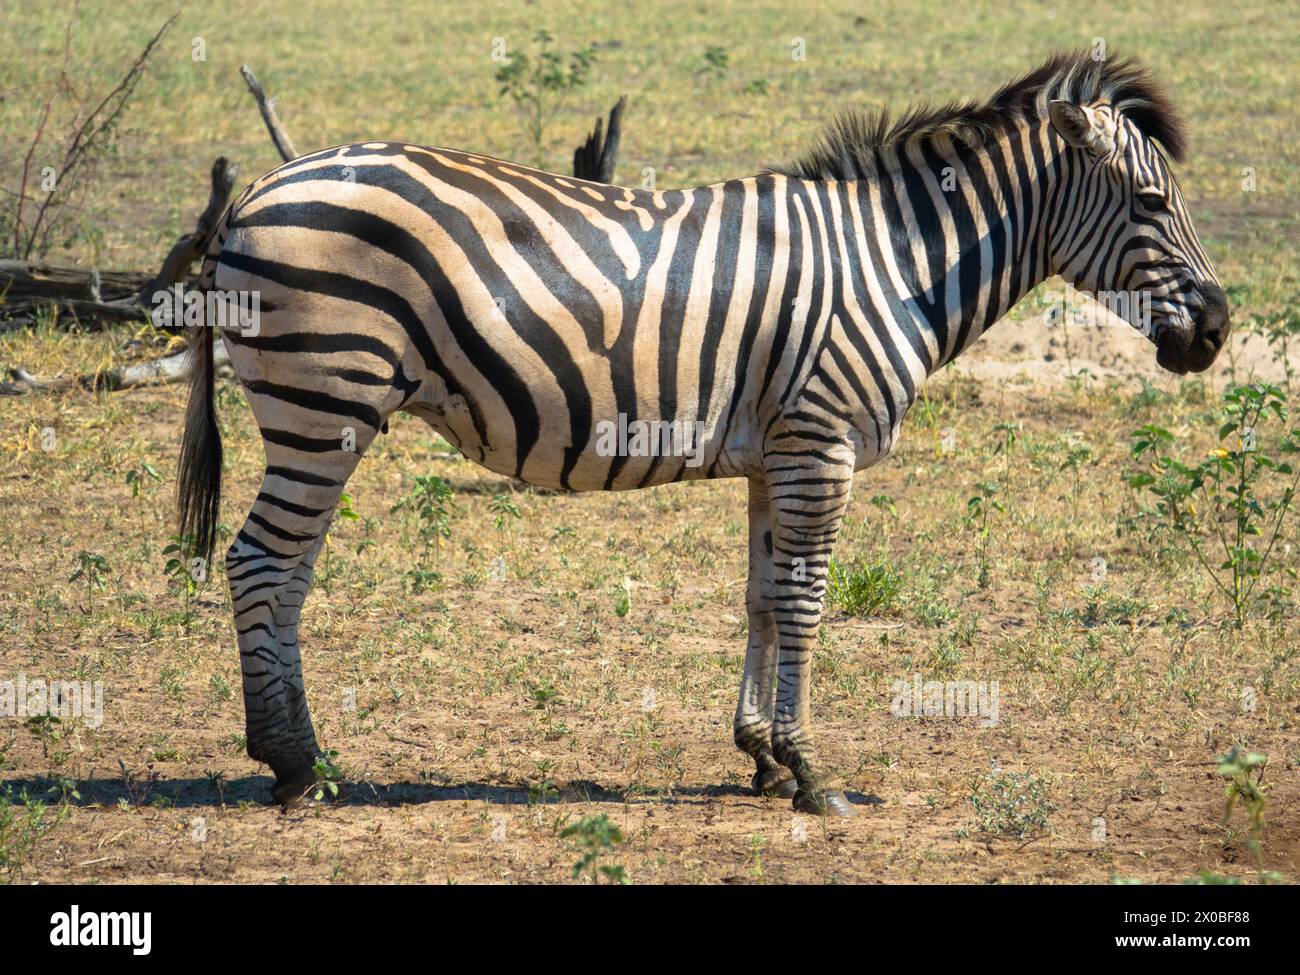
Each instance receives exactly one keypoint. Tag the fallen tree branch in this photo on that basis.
(266, 104)
(23, 279)
(171, 369)
(27, 288)
(91, 315)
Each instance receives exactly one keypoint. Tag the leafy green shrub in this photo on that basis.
(1243, 775)
(595, 837)
(1239, 495)
(538, 82)
(863, 590)
(1012, 804)
(21, 824)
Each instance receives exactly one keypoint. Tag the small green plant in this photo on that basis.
(136, 478)
(1077, 454)
(1243, 773)
(48, 730)
(1148, 397)
(542, 792)
(503, 509)
(1228, 485)
(185, 569)
(865, 590)
(344, 513)
(1010, 436)
(431, 502)
(217, 783)
(1281, 329)
(595, 837)
(92, 570)
(543, 695)
(419, 580)
(22, 823)
(1011, 804)
(65, 789)
(978, 509)
(1208, 878)
(538, 82)
(884, 504)
(716, 62)
(328, 776)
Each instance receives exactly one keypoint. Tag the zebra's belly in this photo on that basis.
(557, 435)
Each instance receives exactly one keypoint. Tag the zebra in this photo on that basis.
(789, 317)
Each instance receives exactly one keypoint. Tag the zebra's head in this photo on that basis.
(1123, 232)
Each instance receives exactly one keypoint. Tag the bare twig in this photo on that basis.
(86, 136)
(266, 104)
(60, 88)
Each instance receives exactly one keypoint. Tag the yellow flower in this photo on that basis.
(1220, 453)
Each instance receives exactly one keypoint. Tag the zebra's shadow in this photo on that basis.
(204, 793)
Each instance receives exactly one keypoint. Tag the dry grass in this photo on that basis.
(475, 720)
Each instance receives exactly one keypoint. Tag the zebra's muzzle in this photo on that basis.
(1194, 348)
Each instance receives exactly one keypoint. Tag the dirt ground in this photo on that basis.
(477, 720)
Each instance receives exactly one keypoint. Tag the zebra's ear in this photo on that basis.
(1079, 126)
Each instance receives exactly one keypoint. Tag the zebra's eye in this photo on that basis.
(1152, 201)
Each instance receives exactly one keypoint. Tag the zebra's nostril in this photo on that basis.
(1212, 318)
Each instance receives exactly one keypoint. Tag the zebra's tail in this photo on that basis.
(198, 476)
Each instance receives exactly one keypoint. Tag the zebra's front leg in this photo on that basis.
(753, 721)
(808, 499)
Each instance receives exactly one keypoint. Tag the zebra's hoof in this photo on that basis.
(777, 783)
(289, 789)
(824, 803)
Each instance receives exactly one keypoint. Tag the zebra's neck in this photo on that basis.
(977, 237)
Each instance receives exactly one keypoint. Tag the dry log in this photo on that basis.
(20, 279)
(83, 295)
(92, 316)
(171, 369)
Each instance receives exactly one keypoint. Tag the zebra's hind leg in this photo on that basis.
(809, 492)
(753, 721)
(269, 568)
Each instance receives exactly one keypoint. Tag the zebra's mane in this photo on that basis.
(851, 145)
